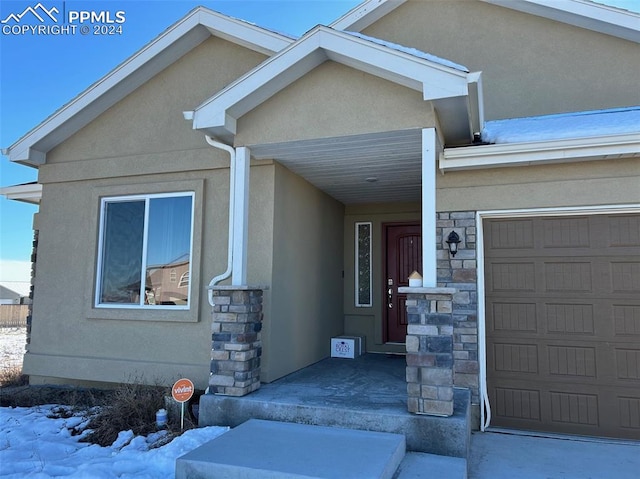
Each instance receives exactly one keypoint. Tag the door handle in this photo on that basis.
(390, 298)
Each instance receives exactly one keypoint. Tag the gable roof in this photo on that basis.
(454, 91)
(176, 41)
(581, 13)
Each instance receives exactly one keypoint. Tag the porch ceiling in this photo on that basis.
(342, 166)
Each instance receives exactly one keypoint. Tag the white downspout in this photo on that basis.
(232, 165)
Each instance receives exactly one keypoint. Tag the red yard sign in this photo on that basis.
(182, 390)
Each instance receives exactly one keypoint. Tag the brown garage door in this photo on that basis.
(563, 324)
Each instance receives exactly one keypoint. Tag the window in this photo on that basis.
(363, 264)
(144, 241)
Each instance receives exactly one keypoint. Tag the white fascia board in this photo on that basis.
(363, 15)
(30, 193)
(436, 81)
(242, 33)
(531, 153)
(108, 89)
(585, 14)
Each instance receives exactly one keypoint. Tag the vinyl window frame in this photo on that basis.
(101, 244)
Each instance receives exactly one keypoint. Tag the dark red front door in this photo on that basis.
(403, 247)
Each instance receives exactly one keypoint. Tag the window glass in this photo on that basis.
(363, 265)
(151, 235)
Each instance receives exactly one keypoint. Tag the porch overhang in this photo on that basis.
(455, 93)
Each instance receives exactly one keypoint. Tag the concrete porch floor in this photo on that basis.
(366, 393)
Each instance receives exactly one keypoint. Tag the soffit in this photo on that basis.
(340, 166)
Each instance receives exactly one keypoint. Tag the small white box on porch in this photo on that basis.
(347, 346)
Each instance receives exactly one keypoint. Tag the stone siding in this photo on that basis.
(460, 272)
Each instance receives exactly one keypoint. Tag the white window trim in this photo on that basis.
(357, 271)
(485, 407)
(146, 198)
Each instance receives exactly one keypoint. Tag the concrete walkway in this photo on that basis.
(499, 455)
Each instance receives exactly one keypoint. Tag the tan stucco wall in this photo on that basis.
(140, 145)
(306, 289)
(530, 65)
(608, 182)
(334, 100)
(367, 321)
(150, 120)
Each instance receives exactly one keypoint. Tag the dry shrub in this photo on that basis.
(132, 407)
(12, 376)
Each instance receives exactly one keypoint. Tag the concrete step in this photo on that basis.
(272, 449)
(417, 465)
(445, 436)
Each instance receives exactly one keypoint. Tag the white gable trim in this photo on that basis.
(554, 151)
(218, 115)
(582, 13)
(178, 40)
(363, 15)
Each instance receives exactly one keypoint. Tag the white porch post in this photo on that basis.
(241, 216)
(429, 261)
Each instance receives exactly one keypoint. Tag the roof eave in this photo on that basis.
(175, 42)
(585, 14)
(447, 87)
(29, 193)
(540, 152)
(363, 15)
(582, 13)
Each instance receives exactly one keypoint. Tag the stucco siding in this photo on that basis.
(142, 145)
(334, 100)
(141, 122)
(612, 181)
(306, 292)
(530, 65)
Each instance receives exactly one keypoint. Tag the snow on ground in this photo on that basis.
(32, 445)
(12, 344)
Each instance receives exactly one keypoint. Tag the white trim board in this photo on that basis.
(485, 407)
(581, 13)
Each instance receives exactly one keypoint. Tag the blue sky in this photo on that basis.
(39, 74)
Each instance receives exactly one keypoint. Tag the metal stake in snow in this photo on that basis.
(182, 391)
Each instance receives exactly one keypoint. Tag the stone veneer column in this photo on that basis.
(236, 346)
(430, 350)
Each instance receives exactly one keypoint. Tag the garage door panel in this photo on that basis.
(624, 230)
(626, 318)
(625, 276)
(563, 324)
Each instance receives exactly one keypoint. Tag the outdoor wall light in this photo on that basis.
(453, 240)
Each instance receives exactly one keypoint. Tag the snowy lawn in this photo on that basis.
(36, 443)
(33, 445)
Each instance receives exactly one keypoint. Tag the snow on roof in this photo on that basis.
(411, 51)
(21, 288)
(562, 126)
